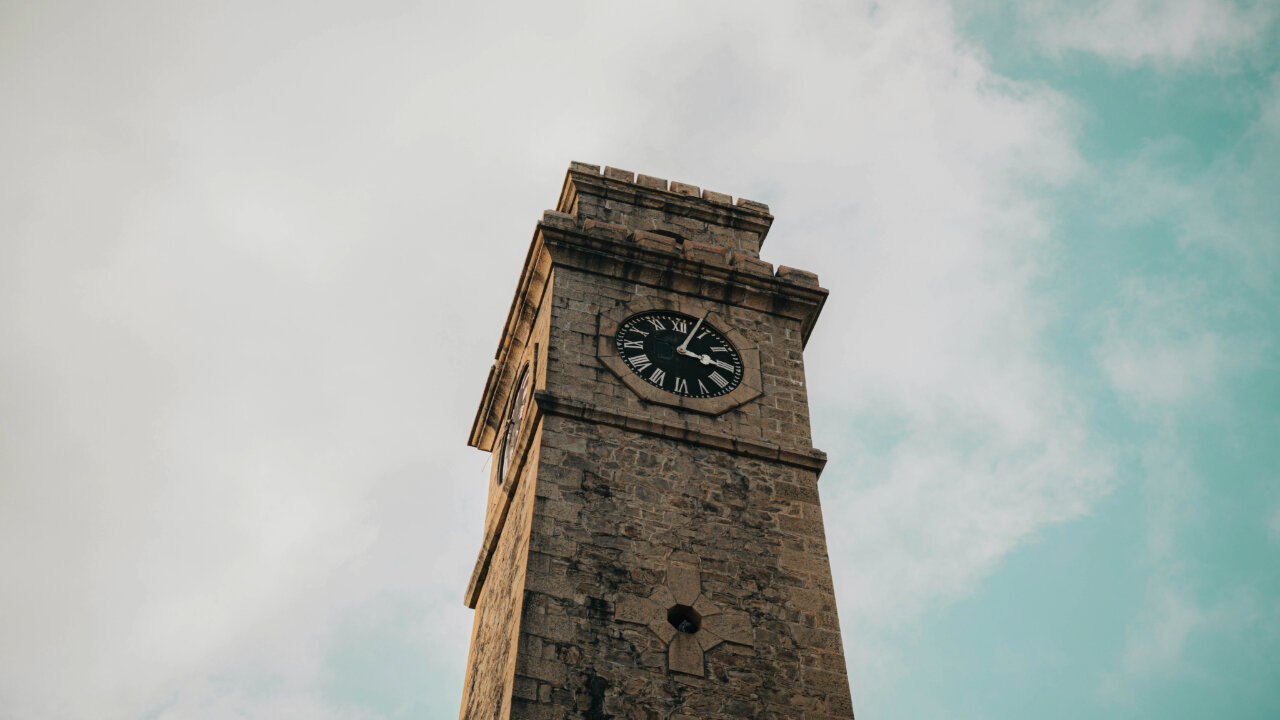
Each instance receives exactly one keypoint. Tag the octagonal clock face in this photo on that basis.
(680, 354)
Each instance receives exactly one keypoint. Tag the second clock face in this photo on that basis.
(675, 353)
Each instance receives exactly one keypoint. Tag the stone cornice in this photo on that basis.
(692, 268)
(807, 458)
(530, 293)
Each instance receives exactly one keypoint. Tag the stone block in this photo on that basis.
(612, 231)
(734, 627)
(752, 205)
(641, 611)
(704, 253)
(651, 182)
(718, 198)
(563, 221)
(803, 278)
(685, 655)
(616, 174)
(680, 188)
(747, 263)
(658, 243)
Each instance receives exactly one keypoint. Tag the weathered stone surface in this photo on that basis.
(707, 639)
(716, 197)
(684, 189)
(683, 580)
(797, 277)
(616, 174)
(609, 525)
(643, 611)
(734, 627)
(705, 607)
(705, 252)
(651, 182)
(685, 655)
(663, 630)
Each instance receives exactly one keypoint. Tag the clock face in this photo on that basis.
(679, 354)
(514, 416)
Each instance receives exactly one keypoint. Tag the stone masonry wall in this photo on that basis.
(487, 690)
(611, 508)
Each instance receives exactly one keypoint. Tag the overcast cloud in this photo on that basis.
(254, 260)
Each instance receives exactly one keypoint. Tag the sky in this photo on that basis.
(255, 258)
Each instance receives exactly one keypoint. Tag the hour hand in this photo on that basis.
(682, 351)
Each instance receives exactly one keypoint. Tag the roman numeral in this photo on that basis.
(657, 377)
(633, 344)
(639, 362)
(638, 331)
(656, 323)
(680, 326)
(682, 386)
(719, 348)
(715, 377)
(703, 334)
(702, 388)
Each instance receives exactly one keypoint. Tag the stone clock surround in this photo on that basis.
(607, 353)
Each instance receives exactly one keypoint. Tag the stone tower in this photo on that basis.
(653, 543)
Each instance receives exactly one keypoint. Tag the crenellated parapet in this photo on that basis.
(677, 210)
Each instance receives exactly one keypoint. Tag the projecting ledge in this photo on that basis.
(808, 458)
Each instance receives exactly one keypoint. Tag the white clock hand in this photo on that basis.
(684, 346)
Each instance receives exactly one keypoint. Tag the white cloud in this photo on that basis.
(1160, 347)
(1174, 336)
(258, 257)
(1172, 342)
(1155, 643)
(1161, 32)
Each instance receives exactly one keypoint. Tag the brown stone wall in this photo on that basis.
(611, 507)
(487, 690)
(780, 416)
(491, 666)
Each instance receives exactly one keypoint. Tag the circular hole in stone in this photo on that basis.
(684, 618)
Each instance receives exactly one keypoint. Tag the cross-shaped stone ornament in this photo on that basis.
(683, 618)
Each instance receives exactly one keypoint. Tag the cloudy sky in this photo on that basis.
(255, 257)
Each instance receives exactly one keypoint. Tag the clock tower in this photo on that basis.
(653, 543)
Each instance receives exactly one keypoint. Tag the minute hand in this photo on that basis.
(684, 346)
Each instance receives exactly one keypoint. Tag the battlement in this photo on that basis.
(682, 212)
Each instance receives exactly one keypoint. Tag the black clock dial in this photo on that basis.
(679, 354)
